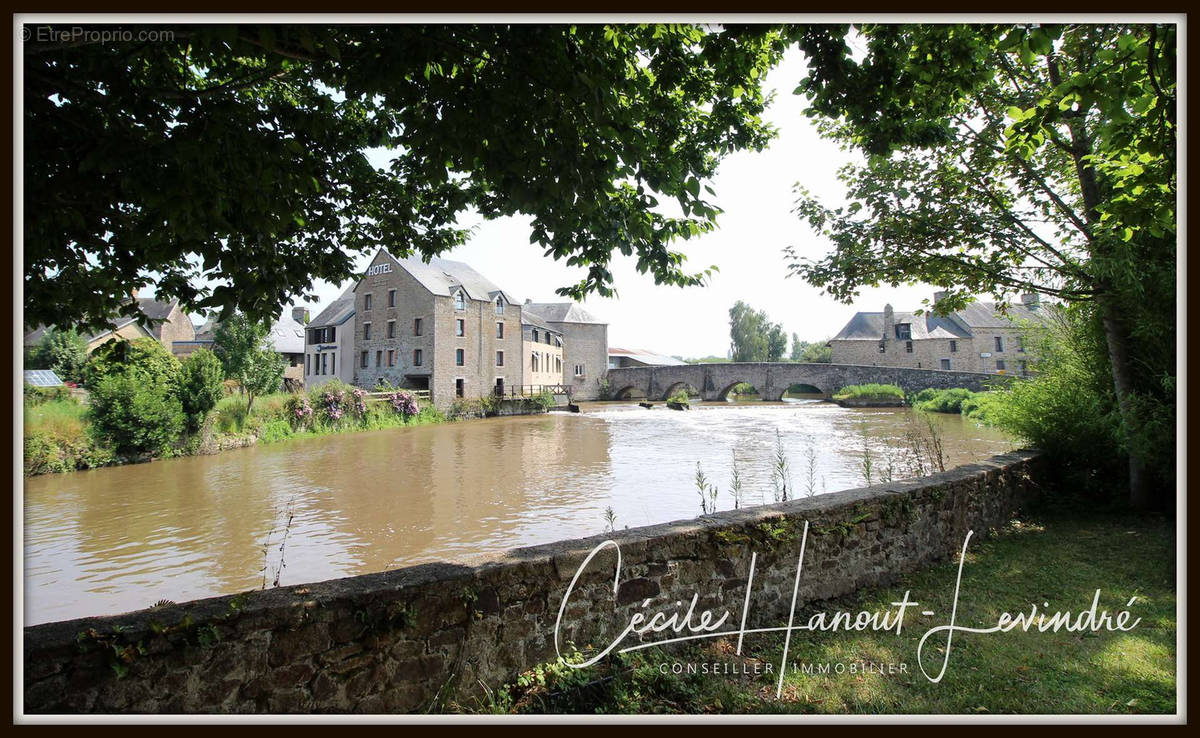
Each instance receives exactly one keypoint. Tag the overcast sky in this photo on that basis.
(756, 192)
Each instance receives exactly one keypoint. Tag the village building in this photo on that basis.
(164, 321)
(585, 345)
(541, 352)
(978, 338)
(619, 358)
(329, 343)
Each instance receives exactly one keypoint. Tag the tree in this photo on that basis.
(135, 414)
(776, 343)
(1006, 159)
(753, 337)
(235, 154)
(817, 353)
(797, 348)
(62, 351)
(247, 356)
(201, 386)
(144, 359)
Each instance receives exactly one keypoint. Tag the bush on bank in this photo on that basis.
(869, 392)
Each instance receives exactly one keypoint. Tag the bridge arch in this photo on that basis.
(723, 394)
(683, 384)
(630, 392)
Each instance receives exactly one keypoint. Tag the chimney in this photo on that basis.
(300, 315)
(889, 322)
(1031, 300)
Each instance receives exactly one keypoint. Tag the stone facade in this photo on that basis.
(714, 381)
(585, 346)
(542, 354)
(413, 639)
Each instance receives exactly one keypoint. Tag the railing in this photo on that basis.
(419, 394)
(531, 390)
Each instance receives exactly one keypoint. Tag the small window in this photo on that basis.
(883, 347)
(547, 338)
(391, 357)
(460, 357)
(533, 361)
(460, 327)
(323, 363)
(391, 329)
(535, 335)
(332, 363)
(499, 358)
(499, 305)
(954, 347)
(499, 330)
(908, 346)
(363, 360)
(999, 365)
(391, 298)
(306, 365)
(378, 358)
(416, 326)
(558, 364)
(416, 357)
(946, 364)
(904, 331)
(579, 370)
(460, 386)
(460, 301)
(367, 301)
(999, 343)
(558, 341)
(366, 331)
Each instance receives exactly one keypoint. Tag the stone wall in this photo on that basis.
(408, 639)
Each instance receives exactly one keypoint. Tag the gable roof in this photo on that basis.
(960, 324)
(443, 276)
(532, 319)
(151, 308)
(561, 312)
(338, 312)
(287, 335)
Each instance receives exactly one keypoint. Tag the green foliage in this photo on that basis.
(680, 395)
(201, 386)
(542, 401)
(35, 396)
(869, 391)
(248, 357)
(56, 438)
(134, 416)
(941, 401)
(812, 353)
(143, 357)
(752, 335)
(62, 351)
(623, 116)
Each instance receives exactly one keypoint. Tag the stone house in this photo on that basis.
(585, 345)
(439, 326)
(977, 338)
(164, 321)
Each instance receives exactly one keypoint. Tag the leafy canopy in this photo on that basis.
(237, 154)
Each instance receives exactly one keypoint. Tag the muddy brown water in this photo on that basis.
(118, 539)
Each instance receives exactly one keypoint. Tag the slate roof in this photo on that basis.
(151, 308)
(441, 276)
(560, 312)
(338, 312)
(961, 324)
(528, 318)
(645, 357)
(288, 335)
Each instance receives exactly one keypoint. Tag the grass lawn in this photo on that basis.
(1049, 557)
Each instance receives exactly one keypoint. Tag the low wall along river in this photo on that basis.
(404, 639)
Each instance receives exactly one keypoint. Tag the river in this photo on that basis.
(118, 539)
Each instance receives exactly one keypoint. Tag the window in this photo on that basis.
(306, 364)
(499, 305)
(366, 331)
(883, 347)
(1021, 344)
(499, 330)
(460, 301)
(999, 343)
(558, 364)
(533, 360)
(999, 365)
(391, 357)
(547, 338)
(946, 364)
(363, 360)
(558, 341)
(323, 363)
(460, 327)
(904, 331)
(391, 298)
(333, 363)
(416, 357)
(579, 370)
(391, 329)
(416, 326)
(535, 335)
(908, 346)
(460, 386)
(367, 301)
(499, 358)
(321, 335)
(379, 358)
(954, 347)
(460, 357)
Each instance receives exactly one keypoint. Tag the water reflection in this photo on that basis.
(112, 540)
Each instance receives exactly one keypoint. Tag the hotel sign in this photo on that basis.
(384, 268)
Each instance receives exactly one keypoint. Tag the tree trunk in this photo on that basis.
(1117, 339)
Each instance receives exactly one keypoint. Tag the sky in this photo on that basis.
(756, 192)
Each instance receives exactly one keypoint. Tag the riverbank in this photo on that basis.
(58, 437)
(1058, 557)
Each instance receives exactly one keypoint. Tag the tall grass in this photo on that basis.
(869, 391)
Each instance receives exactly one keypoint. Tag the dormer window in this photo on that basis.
(904, 331)
(499, 305)
(535, 335)
(460, 301)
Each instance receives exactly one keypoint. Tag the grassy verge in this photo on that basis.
(1049, 557)
(869, 392)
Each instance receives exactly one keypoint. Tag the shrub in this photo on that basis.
(403, 403)
(869, 391)
(135, 416)
(201, 387)
(299, 412)
(144, 357)
(35, 396)
(47, 453)
(941, 401)
(274, 431)
(62, 351)
(544, 401)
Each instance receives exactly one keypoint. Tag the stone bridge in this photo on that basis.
(772, 380)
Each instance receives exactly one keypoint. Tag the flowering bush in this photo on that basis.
(331, 403)
(359, 407)
(403, 403)
(299, 411)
